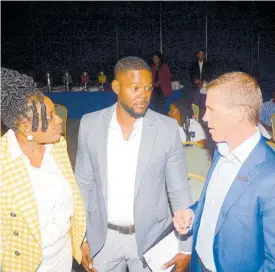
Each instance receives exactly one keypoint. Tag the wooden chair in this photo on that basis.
(62, 112)
(196, 111)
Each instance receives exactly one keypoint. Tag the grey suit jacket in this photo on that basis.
(161, 174)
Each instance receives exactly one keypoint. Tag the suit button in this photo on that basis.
(13, 214)
(16, 233)
(17, 253)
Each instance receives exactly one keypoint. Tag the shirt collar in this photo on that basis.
(115, 125)
(15, 149)
(243, 150)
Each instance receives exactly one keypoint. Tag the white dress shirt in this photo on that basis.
(54, 201)
(200, 65)
(122, 159)
(221, 180)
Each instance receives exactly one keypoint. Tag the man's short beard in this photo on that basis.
(131, 111)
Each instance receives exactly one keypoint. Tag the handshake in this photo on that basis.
(183, 221)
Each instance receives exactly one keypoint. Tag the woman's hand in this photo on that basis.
(86, 261)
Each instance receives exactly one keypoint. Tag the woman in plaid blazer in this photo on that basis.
(42, 216)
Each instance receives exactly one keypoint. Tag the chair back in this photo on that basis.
(62, 112)
(272, 119)
(196, 111)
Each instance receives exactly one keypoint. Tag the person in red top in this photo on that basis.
(161, 81)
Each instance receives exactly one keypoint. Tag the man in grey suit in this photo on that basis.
(130, 164)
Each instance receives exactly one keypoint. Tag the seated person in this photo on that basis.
(267, 111)
(190, 129)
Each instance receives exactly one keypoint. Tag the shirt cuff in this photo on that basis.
(186, 253)
(192, 219)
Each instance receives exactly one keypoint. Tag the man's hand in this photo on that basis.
(181, 261)
(86, 261)
(183, 220)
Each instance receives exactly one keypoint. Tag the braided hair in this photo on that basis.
(186, 113)
(18, 98)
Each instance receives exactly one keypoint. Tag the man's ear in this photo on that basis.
(240, 114)
(115, 86)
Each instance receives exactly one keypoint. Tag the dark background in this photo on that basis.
(53, 36)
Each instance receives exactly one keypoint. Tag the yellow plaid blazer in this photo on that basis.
(21, 240)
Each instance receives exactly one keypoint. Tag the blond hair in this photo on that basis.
(241, 90)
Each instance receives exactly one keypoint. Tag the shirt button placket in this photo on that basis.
(17, 253)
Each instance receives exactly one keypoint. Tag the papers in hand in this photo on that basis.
(164, 249)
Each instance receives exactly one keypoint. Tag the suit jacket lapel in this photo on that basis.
(243, 180)
(198, 68)
(102, 149)
(248, 172)
(203, 68)
(78, 222)
(148, 138)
